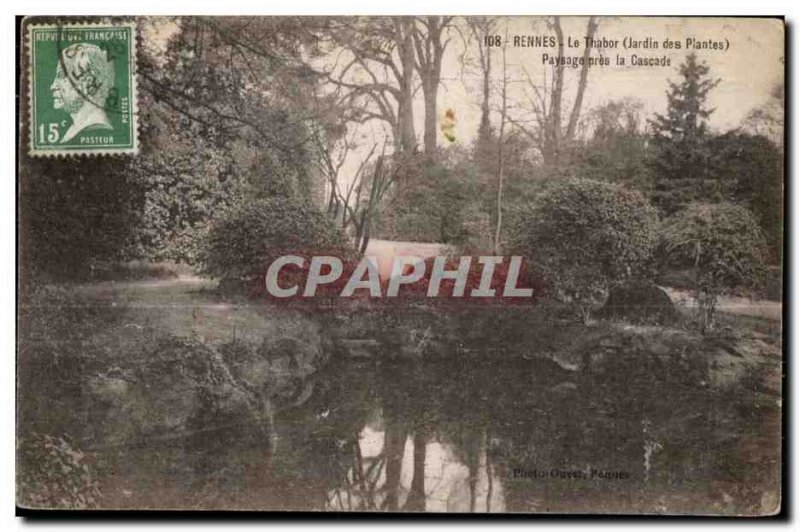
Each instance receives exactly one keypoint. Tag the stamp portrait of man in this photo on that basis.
(84, 79)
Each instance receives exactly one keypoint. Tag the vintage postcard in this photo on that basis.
(446, 264)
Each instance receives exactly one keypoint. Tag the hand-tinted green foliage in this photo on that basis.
(523, 176)
(181, 194)
(209, 132)
(437, 203)
(53, 475)
(682, 155)
(753, 166)
(722, 243)
(223, 119)
(75, 211)
(244, 238)
(619, 159)
(617, 147)
(212, 135)
(585, 236)
(454, 201)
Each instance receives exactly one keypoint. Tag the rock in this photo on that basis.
(358, 347)
(726, 371)
(565, 387)
(164, 393)
(680, 279)
(639, 302)
(549, 371)
(299, 357)
(659, 348)
(610, 342)
(179, 387)
(277, 369)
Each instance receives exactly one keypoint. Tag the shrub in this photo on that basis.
(74, 211)
(440, 202)
(586, 236)
(724, 246)
(754, 167)
(418, 291)
(54, 475)
(244, 239)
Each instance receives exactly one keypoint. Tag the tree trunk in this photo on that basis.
(405, 111)
(591, 29)
(416, 495)
(430, 114)
(395, 445)
(365, 238)
(429, 53)
(481, 27)
(472, 459)
(552, 137)
(500, 166)
(484, 130)
(489, 479)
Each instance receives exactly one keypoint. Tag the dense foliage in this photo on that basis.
(753, 167)
(616, 150)
(434, 203)
(75, 212)
(586, 236)
(724, 246)
(240, 141)
(209, 133)
(244, 239)
(55, 475)
(682, 156)
(454, 199)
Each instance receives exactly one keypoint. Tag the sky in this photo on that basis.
(748, 68)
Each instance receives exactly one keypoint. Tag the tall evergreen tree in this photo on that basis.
(682, 158)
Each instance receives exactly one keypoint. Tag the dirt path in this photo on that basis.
(187, 303)
(742, 306)
(185, 306)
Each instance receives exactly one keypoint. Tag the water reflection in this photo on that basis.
(455, 435)
(426, 476)
(469, 434)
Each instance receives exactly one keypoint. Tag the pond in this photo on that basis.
(469, 409)
(469, 433)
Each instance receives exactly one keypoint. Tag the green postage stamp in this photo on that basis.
(82, 88)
